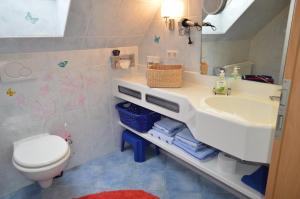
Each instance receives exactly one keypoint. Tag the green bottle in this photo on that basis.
(221, 84)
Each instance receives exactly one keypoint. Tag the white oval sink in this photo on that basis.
(253, 111)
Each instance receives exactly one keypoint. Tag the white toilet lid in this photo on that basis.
(40, 150)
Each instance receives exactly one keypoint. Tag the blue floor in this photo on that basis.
(159, 175)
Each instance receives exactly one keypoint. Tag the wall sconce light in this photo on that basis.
(170, 10)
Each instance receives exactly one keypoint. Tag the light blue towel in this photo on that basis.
(196, 148)
(187, 142)
(204, 154)
(168, 125)
(171, 134)
(186, 134)
(161, 136)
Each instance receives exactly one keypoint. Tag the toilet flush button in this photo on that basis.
(40, 151)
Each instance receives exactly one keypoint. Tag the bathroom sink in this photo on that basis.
(249, 110)
(242, 126)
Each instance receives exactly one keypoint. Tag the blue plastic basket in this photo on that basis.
(137, 117)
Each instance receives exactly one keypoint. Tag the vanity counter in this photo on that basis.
(232, 123)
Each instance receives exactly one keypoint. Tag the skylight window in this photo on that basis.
(224, 20)
(33, 18)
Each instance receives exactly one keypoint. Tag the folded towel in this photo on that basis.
(187, 142)
(171, 134)
(161, 136)
(258, 179)
(186, 134)
(168, 125)
(204, 154)
(196, 148)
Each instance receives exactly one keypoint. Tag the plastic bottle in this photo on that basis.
(221, 84)
(235, 74)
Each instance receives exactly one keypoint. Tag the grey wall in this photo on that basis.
(91, 24)
(114, 23)
(188, 55)
(94, 24)
(226, 52)
(267, 46)
(79, 94)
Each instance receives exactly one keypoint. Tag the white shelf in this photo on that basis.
(208, 167)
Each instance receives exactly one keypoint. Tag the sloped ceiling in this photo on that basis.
(120, 18)
(94, 24)
(260, 13)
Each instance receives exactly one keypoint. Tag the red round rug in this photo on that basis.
(123, 194)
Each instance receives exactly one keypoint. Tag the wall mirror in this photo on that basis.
(253, 38)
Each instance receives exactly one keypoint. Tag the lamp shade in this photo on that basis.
(172, 8)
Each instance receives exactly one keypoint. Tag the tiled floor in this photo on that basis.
(159, 175)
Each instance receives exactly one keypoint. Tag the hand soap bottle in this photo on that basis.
(221, 84)
(236, 75)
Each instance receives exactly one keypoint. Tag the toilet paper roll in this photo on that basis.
(124, 64)
(226, 163)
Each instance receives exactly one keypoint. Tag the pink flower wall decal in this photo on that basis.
(81, 100)
(21, 100)
(44, 90)
(71, 83)
(90, 81)
(48, 77)
(43, 109)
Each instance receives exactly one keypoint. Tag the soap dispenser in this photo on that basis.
(221, 84)
(235, 74)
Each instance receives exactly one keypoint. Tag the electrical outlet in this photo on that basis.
(172, 54)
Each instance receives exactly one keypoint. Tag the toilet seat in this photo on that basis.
(40, 151)
(42, 169)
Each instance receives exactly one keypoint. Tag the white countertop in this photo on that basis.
(196, 93)
(242, 124)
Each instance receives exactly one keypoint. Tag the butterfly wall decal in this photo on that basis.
(62, 64)
(10, 92)
(30, 18)
(156, 39)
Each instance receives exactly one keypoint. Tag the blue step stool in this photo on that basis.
(138, 143)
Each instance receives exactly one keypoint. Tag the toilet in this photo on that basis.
(41, 157)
